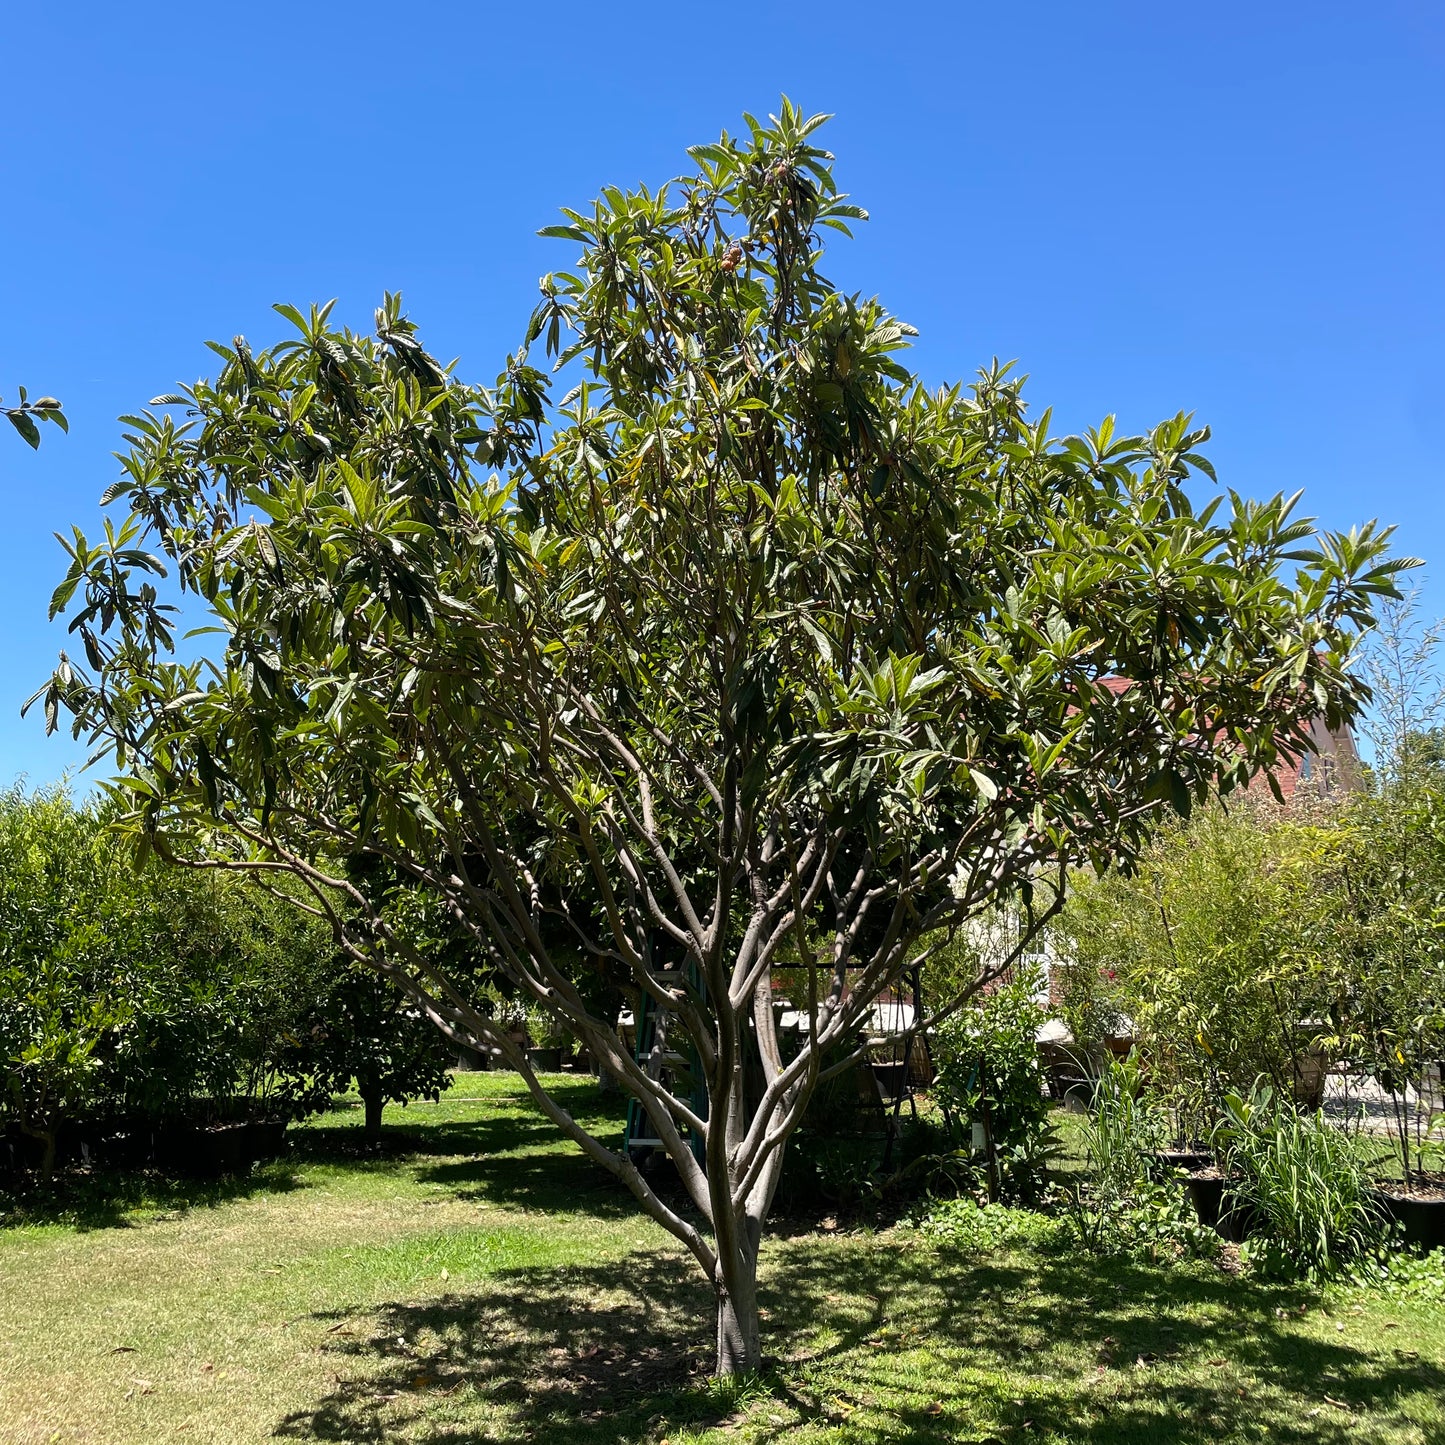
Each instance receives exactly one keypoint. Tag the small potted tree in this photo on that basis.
(1391, 995)
(990, 1086)
(1403, 1041)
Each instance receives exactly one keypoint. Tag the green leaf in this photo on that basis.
(25, 426)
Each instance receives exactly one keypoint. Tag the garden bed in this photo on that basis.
(216, 1137)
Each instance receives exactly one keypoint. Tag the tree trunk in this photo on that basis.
(375, 1101)
(47, 1158)
(46, 1139)
(739, 1348)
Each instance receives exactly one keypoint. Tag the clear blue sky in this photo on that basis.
(1233, 208)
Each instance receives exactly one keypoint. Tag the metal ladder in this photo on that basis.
(668, 1066)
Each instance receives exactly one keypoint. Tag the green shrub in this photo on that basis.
(1306, 1185)
(1217, 949)
(1407, 1276)
(50, 1037)
(842, 1173)
(132, 994)
(1387, 890)
(990, 1075)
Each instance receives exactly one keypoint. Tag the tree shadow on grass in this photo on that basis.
(110, 1199)
(506, 1155)
(336, 1133)
(619, 1352)
(502, 1157)
(1120, 1324)
(584, 1353)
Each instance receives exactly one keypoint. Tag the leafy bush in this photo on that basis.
(968, 1225)
(842, 1173)
(1155, 1221)
(148, 988)
(1306, 1184)
(990, 1075)
(1257, 944)
(1092, 1007)
(1408, 1276)
(50, 1036)
(1386, 891)
(138, 994)
(52, 1019)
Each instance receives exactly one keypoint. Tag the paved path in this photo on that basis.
(1358, 1097)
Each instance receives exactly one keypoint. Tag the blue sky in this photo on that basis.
(1236, 209)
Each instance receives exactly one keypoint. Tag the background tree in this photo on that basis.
(1388, 913)
(1219, 948)
(124, 993)
(1389, 899)
(790, 659)
(132, 997)
(1406, 722)
(345, 1025)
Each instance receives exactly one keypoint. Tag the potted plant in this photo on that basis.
(514, 1024)
(206, 1140)
(1398, 1015)
(548, 1039)
(1390, 996)
(1416, 1200)
(990, 1087)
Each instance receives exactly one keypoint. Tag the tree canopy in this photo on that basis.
(747, 650)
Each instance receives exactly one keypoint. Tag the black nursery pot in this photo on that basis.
(1189, 1160)
(891, 1079)
(1217, 1210)
(1238, 1221)
(1421, 1220)
(206, 1151)
(1206, 1194)
(267, 1139)
(129, 1148)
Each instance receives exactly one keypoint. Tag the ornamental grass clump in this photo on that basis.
(1303, 1185)
(1123, 1208)
(1124, 1131)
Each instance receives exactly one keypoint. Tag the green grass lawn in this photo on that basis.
(482, 1283)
